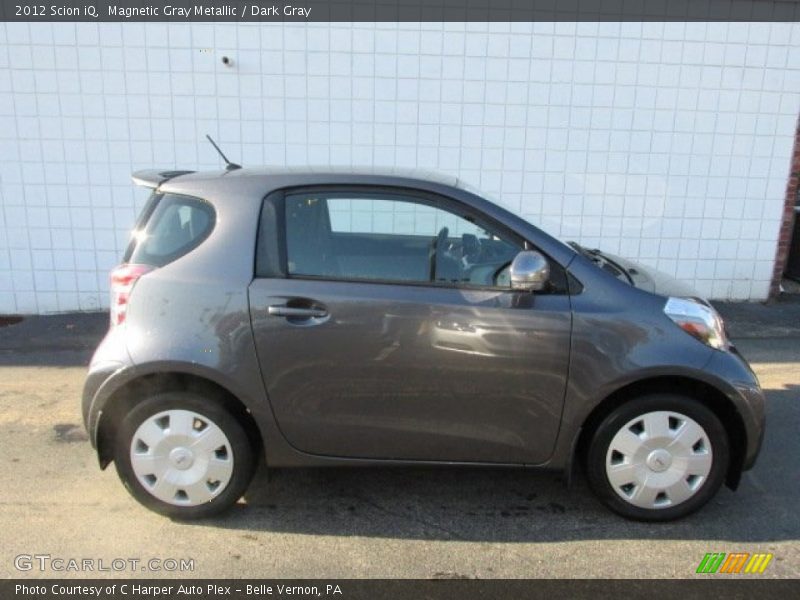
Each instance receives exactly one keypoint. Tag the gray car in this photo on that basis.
(318, 317)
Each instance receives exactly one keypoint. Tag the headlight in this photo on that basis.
(698, 320)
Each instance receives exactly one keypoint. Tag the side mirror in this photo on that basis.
(529, 271)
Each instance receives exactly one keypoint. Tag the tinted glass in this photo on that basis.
(170, 226)
(391, 238)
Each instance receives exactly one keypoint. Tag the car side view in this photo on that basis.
(324, 317)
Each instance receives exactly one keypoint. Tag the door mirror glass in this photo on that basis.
(529, 271)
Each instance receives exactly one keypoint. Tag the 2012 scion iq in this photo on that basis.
(359, 317)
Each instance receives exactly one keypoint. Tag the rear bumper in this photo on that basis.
(110, 358)
(91, 406)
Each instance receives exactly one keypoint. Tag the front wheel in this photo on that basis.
(658, 457)
(183, 455)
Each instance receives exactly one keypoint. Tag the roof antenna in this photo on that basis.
(230, 166)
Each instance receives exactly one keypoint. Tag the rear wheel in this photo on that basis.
(183, 455)
(658, 457)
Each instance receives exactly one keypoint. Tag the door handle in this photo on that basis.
(281, 310)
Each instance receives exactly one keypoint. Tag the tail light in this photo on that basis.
(123, 278)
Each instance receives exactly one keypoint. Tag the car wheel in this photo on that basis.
(183, 455)
(658, 457)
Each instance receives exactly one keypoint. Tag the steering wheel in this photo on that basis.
(441, 239)
(436, 245)
(470, 248)
(502, 276)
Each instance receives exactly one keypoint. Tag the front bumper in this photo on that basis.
(746, 394)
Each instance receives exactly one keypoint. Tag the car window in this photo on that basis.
(391, 237)
(171, 225)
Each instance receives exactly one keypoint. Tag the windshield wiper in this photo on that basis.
(597, 257)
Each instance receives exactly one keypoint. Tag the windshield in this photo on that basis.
(514, 210)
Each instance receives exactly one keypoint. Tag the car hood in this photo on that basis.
(652, 280)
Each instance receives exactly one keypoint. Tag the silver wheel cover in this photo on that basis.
(658, 460)
(181, 457)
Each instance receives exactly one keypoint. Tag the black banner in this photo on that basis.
(703, 587)
(399, 10)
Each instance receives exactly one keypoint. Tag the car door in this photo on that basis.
(386, 328)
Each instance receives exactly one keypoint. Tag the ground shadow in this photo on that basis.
(508, 505)
(51, 341)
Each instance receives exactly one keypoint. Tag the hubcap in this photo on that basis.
(181, 457)
(659, 459)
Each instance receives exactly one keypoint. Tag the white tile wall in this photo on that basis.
(667, 143)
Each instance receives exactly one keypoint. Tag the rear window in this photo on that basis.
(169, 227)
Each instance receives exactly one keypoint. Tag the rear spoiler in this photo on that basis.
(153, 178)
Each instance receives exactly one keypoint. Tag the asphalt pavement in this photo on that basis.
(340, 523)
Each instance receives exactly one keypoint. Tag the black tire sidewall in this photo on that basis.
(608, 428)
(243, 453)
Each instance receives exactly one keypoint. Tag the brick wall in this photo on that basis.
(788, 217)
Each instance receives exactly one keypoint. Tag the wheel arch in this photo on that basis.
(709, 395)
(121, 399)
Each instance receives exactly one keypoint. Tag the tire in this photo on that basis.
(183, 455)
(658, 457)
